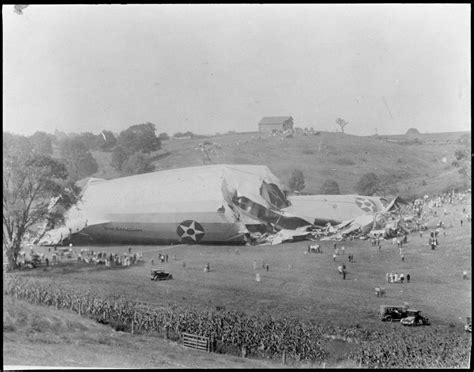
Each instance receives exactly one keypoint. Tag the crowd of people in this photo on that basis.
(109, 259)
(86, 255)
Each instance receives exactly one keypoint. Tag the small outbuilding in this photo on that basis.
(275, 123)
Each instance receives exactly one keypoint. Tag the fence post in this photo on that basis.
(283, 357)
(133, 318)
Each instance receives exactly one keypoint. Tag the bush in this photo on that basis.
(329, 187)
(163, 137)
(367, 184)
(296, 182)
(138, 163)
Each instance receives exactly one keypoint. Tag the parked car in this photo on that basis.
(159, 274)
(414, 318)
(389, 313)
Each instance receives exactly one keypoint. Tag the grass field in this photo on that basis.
(306, 286)
(413, 169)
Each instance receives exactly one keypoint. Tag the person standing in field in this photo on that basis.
(408, 278)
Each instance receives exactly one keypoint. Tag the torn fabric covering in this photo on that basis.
(363, 224)
(321, 209)
(192, 205)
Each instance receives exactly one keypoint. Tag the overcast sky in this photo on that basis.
(215, 68)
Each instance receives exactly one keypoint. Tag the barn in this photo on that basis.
(271, 123)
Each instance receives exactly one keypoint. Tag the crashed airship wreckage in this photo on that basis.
(210, 204)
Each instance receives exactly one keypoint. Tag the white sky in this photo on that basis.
(215, 68)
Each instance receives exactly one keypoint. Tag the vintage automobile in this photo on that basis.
(389, 313)
(159, 274)
(414, 318)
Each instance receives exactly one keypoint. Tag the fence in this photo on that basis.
(196, 342)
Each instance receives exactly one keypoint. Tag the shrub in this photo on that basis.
(367, 184)
(329, 187)
(296, 182)
(163, 136)
(138, 163)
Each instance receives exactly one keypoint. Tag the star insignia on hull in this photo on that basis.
(366, 205)
(190, 231)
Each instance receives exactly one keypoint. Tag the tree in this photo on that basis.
(118, 158)
(140, 137)
(59, 136)
(342, 123)
(78, 159)
(296, 182)
(32, 184)
(107, 140)
(330, 187)
(368, 184)
(90, 140)
(163, 136)
(41, 143)
(138, 163)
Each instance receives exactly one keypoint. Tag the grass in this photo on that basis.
(343, 157)
(44, 337)
(310, 289)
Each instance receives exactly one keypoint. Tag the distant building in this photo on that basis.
(271, 123)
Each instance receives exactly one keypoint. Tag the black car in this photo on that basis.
(160, 275)
(414, 318)
(392, 313)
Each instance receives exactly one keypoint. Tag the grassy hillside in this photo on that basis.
(413, 168)
(42, 336)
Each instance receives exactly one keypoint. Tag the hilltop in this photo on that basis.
(414, 165)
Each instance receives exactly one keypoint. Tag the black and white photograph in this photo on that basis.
(237, 186)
